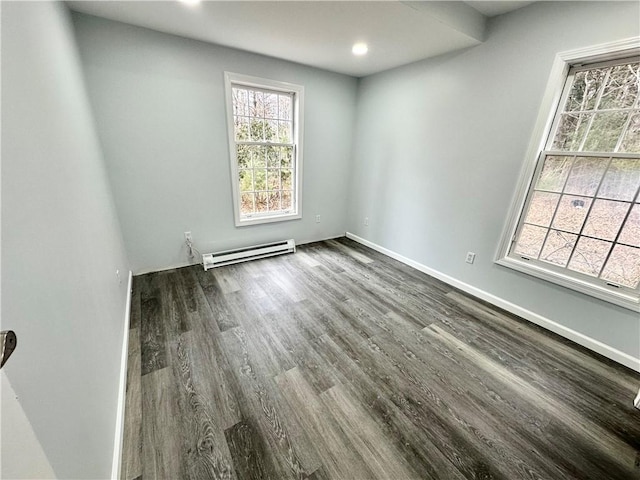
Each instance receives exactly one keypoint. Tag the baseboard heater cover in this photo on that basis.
(227, 257)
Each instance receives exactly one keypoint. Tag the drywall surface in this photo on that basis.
(61, 246)
(440, 144)
(22, 455)
(159, 104)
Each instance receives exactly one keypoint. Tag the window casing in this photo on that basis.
(265, 124)
(577, 221)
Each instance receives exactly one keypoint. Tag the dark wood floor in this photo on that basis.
(338, 362)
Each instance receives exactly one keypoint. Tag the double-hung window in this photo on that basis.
(579, 224)
(265, 143)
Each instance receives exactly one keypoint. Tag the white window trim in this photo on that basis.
(550, 102)
(298, 129)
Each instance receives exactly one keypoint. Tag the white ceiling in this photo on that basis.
(318, 33)
(492, 9)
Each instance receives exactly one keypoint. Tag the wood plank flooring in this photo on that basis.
(338, 362)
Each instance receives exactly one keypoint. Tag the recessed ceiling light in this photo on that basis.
(359, 49)
(190, 2)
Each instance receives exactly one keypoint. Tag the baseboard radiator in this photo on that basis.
(220, 259)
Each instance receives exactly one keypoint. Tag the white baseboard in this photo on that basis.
(581, 339)
(122, 391)
(314, 240)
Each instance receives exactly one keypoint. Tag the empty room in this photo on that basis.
(320, 240)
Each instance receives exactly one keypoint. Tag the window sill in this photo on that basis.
(267, 219)
(621, 298)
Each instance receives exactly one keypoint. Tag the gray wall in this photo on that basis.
(61, 246)
(439, 146)
(159, 106)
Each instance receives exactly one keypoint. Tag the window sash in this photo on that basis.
(293, 167)
(565, 270)
(566, 91)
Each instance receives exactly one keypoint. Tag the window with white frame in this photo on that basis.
(579, 224)
(265, 139)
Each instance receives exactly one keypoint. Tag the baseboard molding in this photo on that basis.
(167, 268)
(324, 239)
(122, 390)
(577, 337)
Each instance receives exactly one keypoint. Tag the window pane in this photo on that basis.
(631, 231)
(243, 156)
(554, 173)
(286, 156)
(246, 203)
(605, 219)
(261, 202)
(287, 178)
(622, 87)
(260, 177)
(270, 105)
(270, 131)
(589, 256)
(284, 133)
(257, 130)
(622, 179)
(605, 131)
(246, 180)
(571, 213)
(623, 266)
(558, 247)
(285, 111)
(530, 241)
(541, 208)
(273, 179)
(585, 175)
(241, 126)
(257, 154)
(287, 200)
(240, 102)
(631, 140)
(256, 104)
(274, 201)
(571, 130)
(584, 90)
(273, 160)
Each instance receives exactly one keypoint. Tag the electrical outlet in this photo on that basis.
(188, 238)
(366, 221)
(470, 257)
(317, 218)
